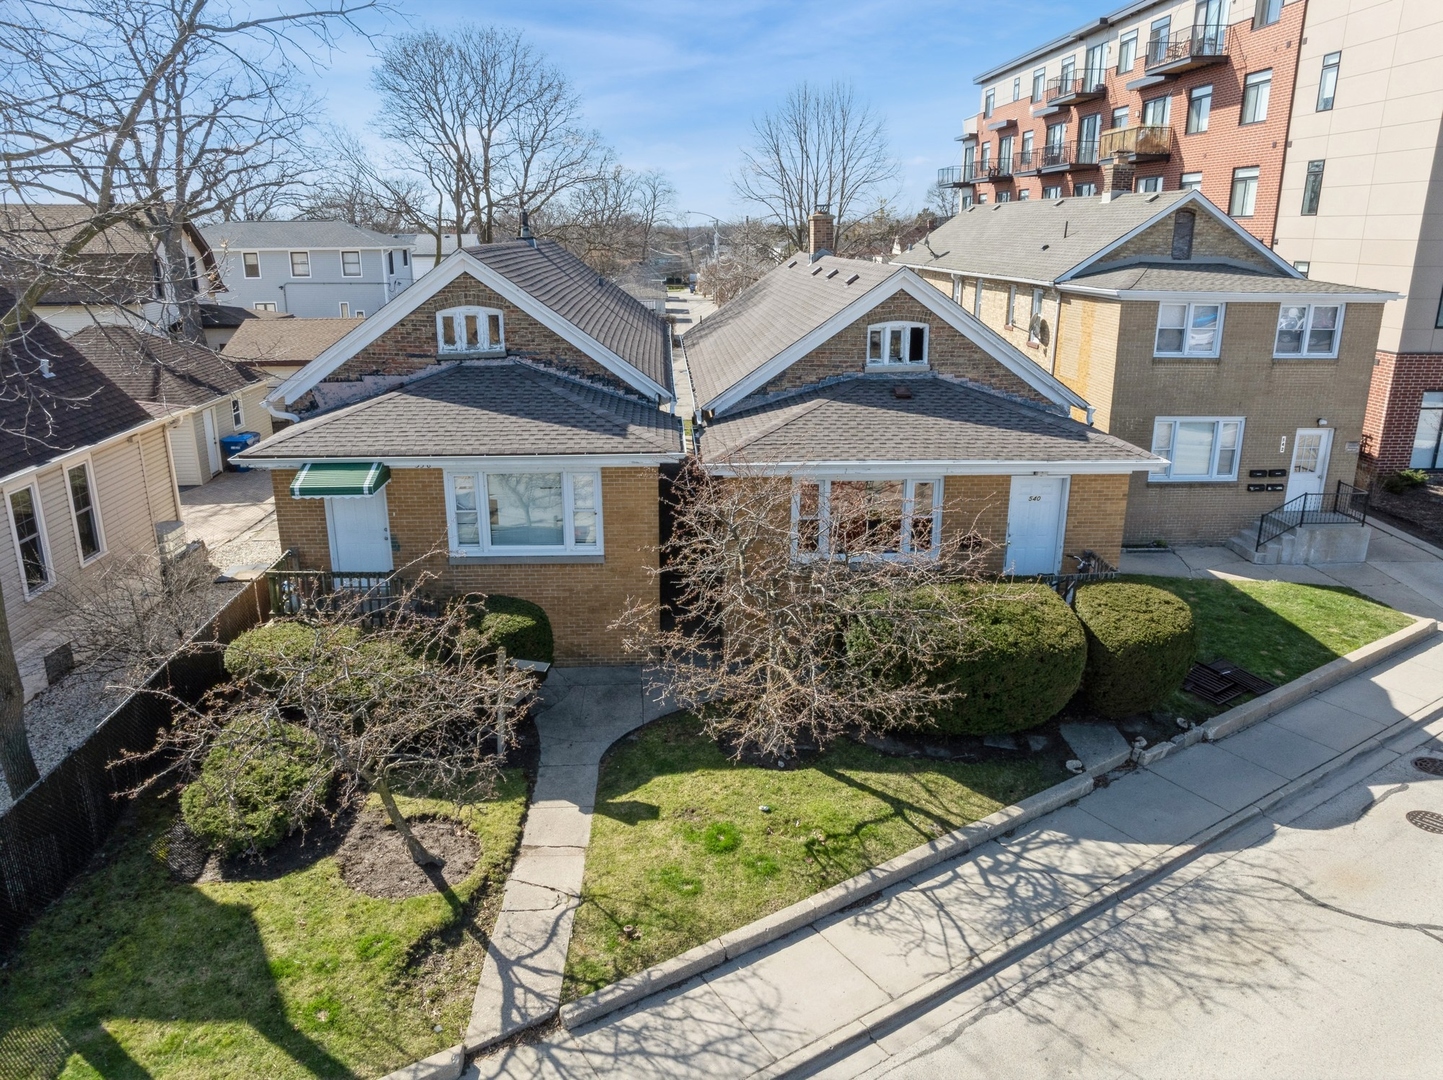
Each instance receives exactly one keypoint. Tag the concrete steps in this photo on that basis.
(1305, 545)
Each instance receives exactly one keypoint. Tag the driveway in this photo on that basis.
(235, 514)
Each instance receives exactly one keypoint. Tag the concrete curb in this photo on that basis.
(781, 923)
(448, 1064)
(1315, 681)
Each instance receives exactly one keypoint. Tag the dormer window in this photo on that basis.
(897, 345)
(469, 330)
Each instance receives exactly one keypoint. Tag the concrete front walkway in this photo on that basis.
(845, 978)
(583, 711)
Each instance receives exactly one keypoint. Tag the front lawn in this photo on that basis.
(134, 973)
(681, 851)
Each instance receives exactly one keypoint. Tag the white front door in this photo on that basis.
(1311, 447)
(360, 533)
(1036, 512)
(212, 443)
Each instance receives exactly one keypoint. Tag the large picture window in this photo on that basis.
(893, 344)
(28, 531)
(84, 512)
(1188, 329)
(469, 330)
(1308, 330)
(1198, 448)
(847, 519)
(525, 513)
(1428, 437)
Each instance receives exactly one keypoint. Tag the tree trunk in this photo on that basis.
(419, 855)
(16, 761)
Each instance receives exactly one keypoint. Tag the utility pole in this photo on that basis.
(715, 233)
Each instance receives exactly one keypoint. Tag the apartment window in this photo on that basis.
(83, 511)
(984, 158)
(1308, 330)
(1034, 321)
(1093, 66)
(1069, 71)
(526, 513)
(1089, 128)
(1302, 266)
(1199, 107)
(390, 262)
(1245, 192)
(1028, 161)
(237, 414)
(977, 300)
(350, 264)
(1266, 13)
(1198, 448)
(1256, 89)
(300, 264)
(1126, 52)
(890, 344)
(1039, 84)
(360, 314)
(345, 310)
(981, 198)
(1012, 305)
(1004, 196)
(1052, 191)
(1157, 39)
(1312, 189)
(988, 102)
(1328, 84)
(251, 263)
(469, 329)
(1017, 88)
(1083, 191)
(848, 519)
(405, 257)
(1190, 181)
(1188, 329)
(1024, 195)
(1155, 111)
(1004, 154)
(1119, 117)
(263, 305)
(28, 532)
(1427, 451)
(1149, 183)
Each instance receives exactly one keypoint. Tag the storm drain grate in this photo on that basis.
(1426, 820)
(1431, 765)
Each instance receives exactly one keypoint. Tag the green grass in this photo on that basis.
(132, 973)
(681, 851)
(1275, 629)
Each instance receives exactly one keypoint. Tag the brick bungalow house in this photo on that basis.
(843, 371)
(1185, 333)
(502, 424)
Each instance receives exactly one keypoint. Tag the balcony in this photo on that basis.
(1187, 49)
(1071, 90)
(957, 176)
(1141, 142)
(1064, 157)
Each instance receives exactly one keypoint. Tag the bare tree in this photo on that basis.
(356, 189)
(943, 200)
(820, 146)
(762, 608)
(611, 221)
(751, 252)
(655, 205)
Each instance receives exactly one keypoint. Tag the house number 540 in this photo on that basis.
(1034, 498)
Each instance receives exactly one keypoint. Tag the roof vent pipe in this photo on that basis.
(526, 229)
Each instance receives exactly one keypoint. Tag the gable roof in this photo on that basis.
(285, 341)
(42, 418)
(157, 370)
(297, 235)
(1144, 280)
(500, 408)
(1043, 241)
(859, 419)
(799, 305)
(556, 274)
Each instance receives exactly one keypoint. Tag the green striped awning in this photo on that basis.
(339, 479)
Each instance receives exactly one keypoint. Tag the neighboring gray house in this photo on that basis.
(314, 269)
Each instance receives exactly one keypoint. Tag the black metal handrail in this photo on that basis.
(1089, 82)
(295, 591)
(1206, 40)
(1345, 504)
(956, 175)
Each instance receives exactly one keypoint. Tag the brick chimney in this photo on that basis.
(1118, 174)
(821, 232)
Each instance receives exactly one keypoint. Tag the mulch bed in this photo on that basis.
(374, 859)
(1418, 511)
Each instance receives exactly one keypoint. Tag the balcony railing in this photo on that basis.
(1067, 89)
(1147, 142)
(1188, 48)
(957, 176)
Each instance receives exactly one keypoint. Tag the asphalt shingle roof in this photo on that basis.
(285, 235)
(860, 419)
(1206, 278)
(774, 313)
(499, 408)
(581, 296)
(286, 341)
(1034, 239)
(157, 370)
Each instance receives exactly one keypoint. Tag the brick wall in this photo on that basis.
(1096, 509)
(1087, 335)
(1210, 237)
(1394, 397)
(581, 599)
(977, 504)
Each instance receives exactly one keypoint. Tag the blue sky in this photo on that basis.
(674, 85)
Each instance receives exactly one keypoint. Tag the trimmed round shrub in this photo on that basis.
(1016, 660)
(518, 626)
(1140, 645)
(254, 789)
(261, 650)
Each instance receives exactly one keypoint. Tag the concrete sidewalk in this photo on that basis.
(837, 980)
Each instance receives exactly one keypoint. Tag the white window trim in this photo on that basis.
(906, 327)
(1187, 325)
(1011, 306)
(483, 322)
(345, 309)
(291, 257)
(95, 517)
(258, 274)
(1303, 353)
(264, 305)
(50, 576)
(483, 514)
(360, 267)
(237, 412)
(1038, 299)
(909, 513)
(1213, 477)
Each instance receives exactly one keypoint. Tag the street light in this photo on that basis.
(715, 233)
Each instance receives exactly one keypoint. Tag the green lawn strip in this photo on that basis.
(134, 973)
(681, 851)
(1276, 629)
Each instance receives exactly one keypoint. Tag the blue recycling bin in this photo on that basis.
(230, 445)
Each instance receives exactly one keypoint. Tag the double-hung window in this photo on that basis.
(1188, 329)
(1039, 84)
(1199, 108)
(469, 330)
(525, 513)
(1119, 117)
(350, 264)
(300, 264)
(251, 261)
(28, 531)
(1156, 111)
(896, 344)
(1190, 181)
(1328, 84)
(84, 512)
(1126, 52)
(237, 414)
(1308, 330)
(847, 519)
(1257, 88)
(1244, 197)
(1034, 321)
(988, 102)
(1197, 448)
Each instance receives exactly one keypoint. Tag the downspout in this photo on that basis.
(279, 414)
(1052, 345)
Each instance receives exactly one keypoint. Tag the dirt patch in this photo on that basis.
(374, 859)
(302, 848)
(1418, 511)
